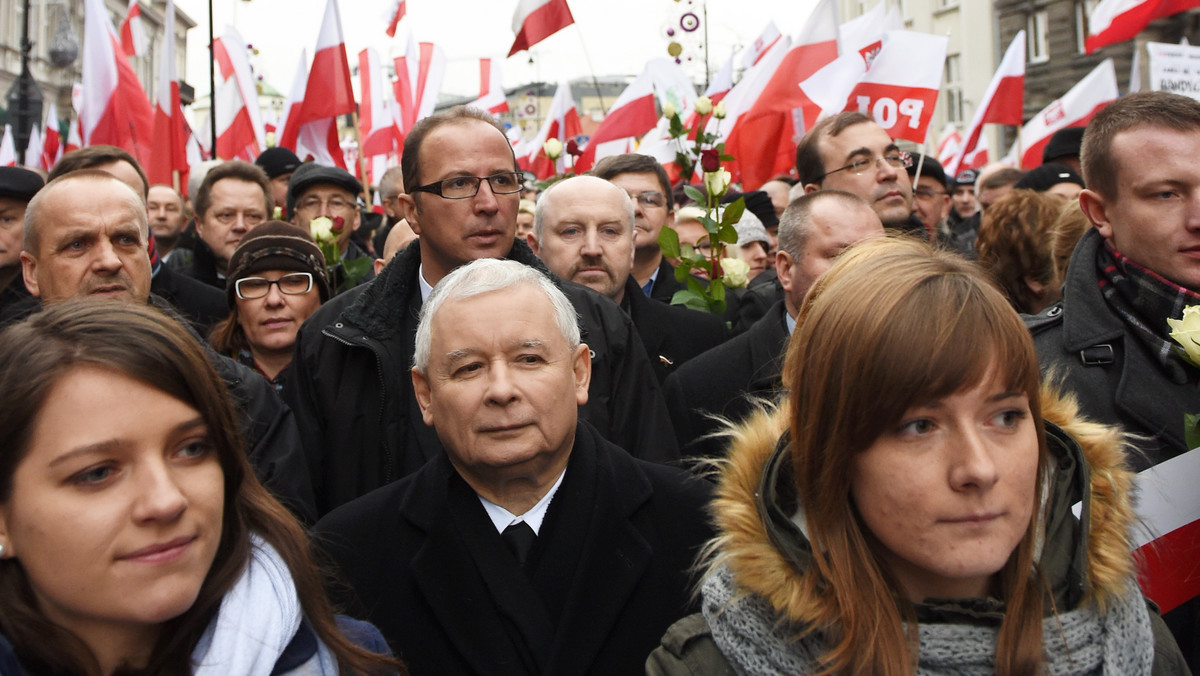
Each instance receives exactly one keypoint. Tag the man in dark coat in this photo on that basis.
(17, 187)
(233, 199)
(1108, 341)
(354, 402)
(583, 231)
(531, 545)
(724, 381)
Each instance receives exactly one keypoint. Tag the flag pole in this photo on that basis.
(588, 58)
(212, 83)
(362, 164)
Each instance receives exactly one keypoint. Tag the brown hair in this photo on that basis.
(411, 159)
(1064, 235)
(612, 166)
(34, 355)
(810, 167)
(795, 224)
(1001, 177)
(1141, 109)
(895, 323)
(1014, 245)
(33, 211)
(90, 157)
(236, 169)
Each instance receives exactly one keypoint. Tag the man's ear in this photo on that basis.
(532, 241)
(783, 269)
(408, 209)
(424, 396)
(29, 272)
(581, 364)
(811, 187)
(1093, 206)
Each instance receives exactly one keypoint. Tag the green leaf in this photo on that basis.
(696, 287)
(716, 307)
(716, 290)
(728, 234)
(677, 129)
(709, 224)
(694, 193)
(727, 158)
(1191, 429)
(668, 241)
(689, 298)
(733, 211)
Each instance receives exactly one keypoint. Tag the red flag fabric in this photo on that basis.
(562, 123)
(8, 149)
(633, 114)
(1114, 21)
(52, 140)
(948, 144)
(491, 90)
(170, 138)
(419, 76)
(901, 87)
(133, 34)
(761, 45)
(115, 108)
(377, 123)
(240, 131)
(1075, 109)
(1002, 103)
(395, 13)
(1169, 541)
(763, 139)
(328, 93)
(536, 20)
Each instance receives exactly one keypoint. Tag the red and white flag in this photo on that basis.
(115, 110)
(328, 93)
(763, 138)
(864, 34)
(948, 144)
(8, 149)
(536, 20)
(761, 44)
(33, 148)
(1114, 21)
(170, 137)
(240, 132)
(295, 98)
(395, 12)
(133, 34)
(1075, 109)
(633, 114)
(901, 87)
(377, 123)
(1168, 544)
(52, 140)
(419, 75)
(1002, 103)
(562, 123)
(491, 89)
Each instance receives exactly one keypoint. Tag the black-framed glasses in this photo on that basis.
(292, 284)
(928, 193)
(897, 159)
(462, 187)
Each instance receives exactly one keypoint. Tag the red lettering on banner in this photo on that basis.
(903, 112)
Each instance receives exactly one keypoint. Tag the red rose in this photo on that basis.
(573, 148)
(710, 160)
(338, 224)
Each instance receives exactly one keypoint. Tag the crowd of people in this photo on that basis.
(260, 428)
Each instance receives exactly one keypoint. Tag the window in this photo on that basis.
(1037, 28)
(953, 89)
(1082, 10)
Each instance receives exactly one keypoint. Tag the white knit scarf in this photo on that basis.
(1081, 641)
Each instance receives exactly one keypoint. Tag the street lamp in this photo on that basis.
(24, 97)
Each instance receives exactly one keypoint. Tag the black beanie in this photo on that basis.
(277, 245)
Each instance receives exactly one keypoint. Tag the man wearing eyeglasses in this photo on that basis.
(351, 387)
(233, 199)
(931, 200)
(319, 191)
(850, 152)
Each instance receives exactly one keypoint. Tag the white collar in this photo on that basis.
(502, 518)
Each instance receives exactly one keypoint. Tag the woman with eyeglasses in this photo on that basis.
(277, 279)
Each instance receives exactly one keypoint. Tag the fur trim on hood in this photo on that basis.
(1087, 463)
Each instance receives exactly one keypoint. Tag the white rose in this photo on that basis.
(717, 181)
(321, 229)
(1186, 332)
(669, 111)
(553, 148)
(703, 105)
(719, 111)
(735, 272)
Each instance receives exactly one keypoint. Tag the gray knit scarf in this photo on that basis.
(1081, 641)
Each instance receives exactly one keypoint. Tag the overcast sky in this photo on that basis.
(618, 36)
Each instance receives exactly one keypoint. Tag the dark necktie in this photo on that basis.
(519, 537)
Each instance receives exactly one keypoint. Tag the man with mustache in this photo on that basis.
(583, 231)
(850, 152)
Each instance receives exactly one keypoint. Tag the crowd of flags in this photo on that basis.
(788, 82)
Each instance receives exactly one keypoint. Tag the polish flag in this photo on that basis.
(74, 137)
(240, 132)
(657, 142)
(1002, 103)
(377, 124)
(115, 110)
(133, 35)
(562, 123)
(633, 114)
(763, 139)
(33, 149)
(328, 93)
(491, 90)
(1114, 21)
(536, 20)
(295, 98)
(864, 34)
(170, 140)
(948, 144)
(746, 92)
(1075, 109)
(270, 121)
(52, 142)
(901, 87)
(419, 76)
(761, 45)
(8, 149)
(395, 12)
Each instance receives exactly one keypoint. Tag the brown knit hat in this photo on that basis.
(277, 245)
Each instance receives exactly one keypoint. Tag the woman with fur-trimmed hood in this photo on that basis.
(909, 508)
